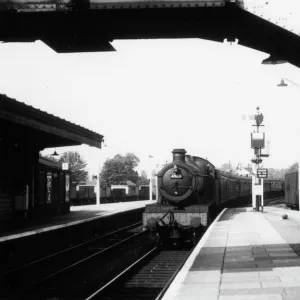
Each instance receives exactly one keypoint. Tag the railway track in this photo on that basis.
(147, 278)
(54, 266)
(274, 201)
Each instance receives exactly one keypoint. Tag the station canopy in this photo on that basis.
(21, 123)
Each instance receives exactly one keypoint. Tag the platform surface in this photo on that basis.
(77, 215)
(244, 255)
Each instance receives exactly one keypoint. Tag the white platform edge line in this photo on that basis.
(55, 227)
(175, 285)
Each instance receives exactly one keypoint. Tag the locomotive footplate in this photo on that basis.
(159, 215)
(162, 208)
(182, 218)
(173, 227)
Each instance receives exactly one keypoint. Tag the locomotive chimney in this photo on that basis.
(179, 155)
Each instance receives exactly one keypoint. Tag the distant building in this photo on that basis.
(92, 182)
(87, 183)
(241, 171)
(127, 185)
(249, 170)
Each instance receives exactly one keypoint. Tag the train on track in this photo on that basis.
(292, 190)
(191, 190)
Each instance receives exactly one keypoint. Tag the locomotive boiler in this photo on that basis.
(186, 196)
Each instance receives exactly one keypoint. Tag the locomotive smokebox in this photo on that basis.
(179, 155)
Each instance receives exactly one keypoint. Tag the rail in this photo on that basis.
(109, 284)
(21, 272)
(92, 256)
(153, 284)
(71, 248)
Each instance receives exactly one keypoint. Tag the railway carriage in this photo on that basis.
(292, 190)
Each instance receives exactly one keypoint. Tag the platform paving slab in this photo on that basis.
(250, 261)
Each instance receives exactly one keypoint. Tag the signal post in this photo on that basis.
(258, 173)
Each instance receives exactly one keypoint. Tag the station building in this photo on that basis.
(29, 183)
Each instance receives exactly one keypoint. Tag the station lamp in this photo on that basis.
(282, 83)
(55, 153)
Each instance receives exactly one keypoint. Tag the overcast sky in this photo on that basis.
(152, 96)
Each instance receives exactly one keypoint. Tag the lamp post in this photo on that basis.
(98, 192)
(150, 177)
(151, 167)
(283, 84)
(98, 185)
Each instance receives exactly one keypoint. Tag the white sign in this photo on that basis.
(262, 173)
(65, 166)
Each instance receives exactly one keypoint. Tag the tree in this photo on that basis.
(276, 173)
(293, 168)
(226, 167)
(143, 179)
(119, 169)
(77, 166)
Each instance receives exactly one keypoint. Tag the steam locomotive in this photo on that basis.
(190, 190)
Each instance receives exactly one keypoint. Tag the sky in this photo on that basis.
(151, 96)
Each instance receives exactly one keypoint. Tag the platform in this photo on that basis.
(244, 255)
(77, 215)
